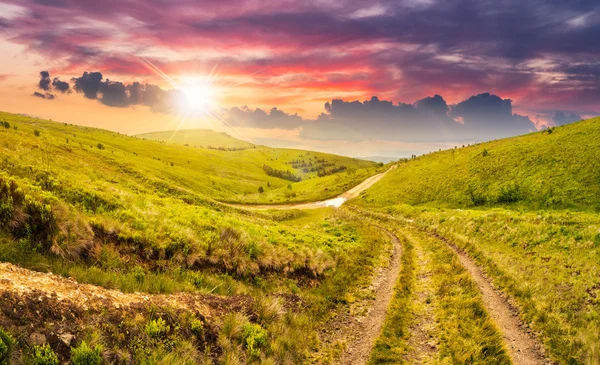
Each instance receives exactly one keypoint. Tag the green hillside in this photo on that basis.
(203, 138)
(526, 210)
(554, 169)
(137, 215)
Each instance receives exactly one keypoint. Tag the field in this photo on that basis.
(486, 254)
(202, 138)
(142, 216)
(525, 209)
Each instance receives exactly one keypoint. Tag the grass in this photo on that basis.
(391, 346)
(546, 261)
(137, 215)
(526, 209)
(464, 332)
(201, 138)
(542, 170)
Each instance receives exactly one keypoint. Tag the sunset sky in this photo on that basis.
(364, 78)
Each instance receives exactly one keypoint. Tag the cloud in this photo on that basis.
(431, 119)
(46, 96)
(118, 94)
(61, 86)
(561, 117)
(258, 118)
(486, 113)
(45, 81)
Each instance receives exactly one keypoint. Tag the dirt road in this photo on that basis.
(334, 202)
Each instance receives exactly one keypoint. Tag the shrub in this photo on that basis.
(84, 354)
(36, 133)
(261, 189)
(197, 327)
(157, 328)
(485, 153)
(43, 355)
(509, 194)
(6, 344)
(100, 146)
(255, 338)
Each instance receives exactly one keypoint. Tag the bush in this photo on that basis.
(37, 133)
(100, 146)
(261, 189)
(509, 194)
(485, 153)
(197, 327)
(86, 355)
(43, 355)
(6, 344)
(255, 338)
(157, 328)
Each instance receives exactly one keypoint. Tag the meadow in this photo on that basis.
(526, 210)
(143, 216)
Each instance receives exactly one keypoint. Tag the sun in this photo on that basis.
(199, 94)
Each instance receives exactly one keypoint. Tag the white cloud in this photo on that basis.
(375, 10)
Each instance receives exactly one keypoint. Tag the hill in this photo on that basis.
(553, 169)
(525, 210)
(203, 138)
(143, 216)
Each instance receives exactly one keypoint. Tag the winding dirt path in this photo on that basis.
(523, 347)
(334, 202)
(367, 330)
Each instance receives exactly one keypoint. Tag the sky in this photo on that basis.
(354, 77)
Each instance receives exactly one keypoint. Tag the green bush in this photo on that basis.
(197, 327)
(37, 133)
(261, 189)
(43, 355)
(84, 354)
(100, 146)
(157, 328)
(6, 344)
(255, 338)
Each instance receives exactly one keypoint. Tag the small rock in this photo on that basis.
(37, 339)
(66, 338)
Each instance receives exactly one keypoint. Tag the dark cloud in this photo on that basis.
(430, 119)
(61, 86)
(45, 81)
(117, 94)
(88, 84)
(561, 117)
(46, 96)
(258, 118)
(490, 114)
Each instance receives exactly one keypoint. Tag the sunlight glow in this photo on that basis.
(199, 96)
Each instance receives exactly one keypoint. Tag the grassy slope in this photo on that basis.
(532, 223)
(223, 175)
(197, 138)
(534, 171)
(123, 217)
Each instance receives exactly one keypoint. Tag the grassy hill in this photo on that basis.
(203, 138)
(554, 169)
(139, 215)
(526, 209)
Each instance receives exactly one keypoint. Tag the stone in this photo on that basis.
(66, 338)
(37, 339)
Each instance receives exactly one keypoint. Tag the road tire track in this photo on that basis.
(523, 348)
(368, 330)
